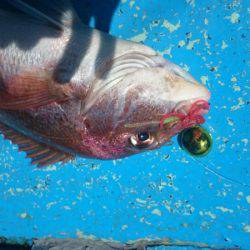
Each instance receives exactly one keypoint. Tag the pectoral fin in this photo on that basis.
(40, 154)
(32, 90)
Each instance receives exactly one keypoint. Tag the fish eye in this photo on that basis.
(143, 136)
(142, 139)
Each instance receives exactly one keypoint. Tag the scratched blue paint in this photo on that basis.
(163, 193)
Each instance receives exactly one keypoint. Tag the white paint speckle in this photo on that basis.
(191, 2)
(156, 212)
(49, 168)
(230, 121)
(234, 79)
(50, 204)
(204, 79)
(192, 43)
(234, 18)
(213, 216)
(246, 228)
(224, 209)
(124, 227)
(79, 234)
(248, 199)
(145, 221)
(239, 105)
(245, 141)
(171, 27)
(25, 215)
(186, 68)
(66, 207)
(167, 51)
(140, 201)
(224, 45)
(208, 213)
(181, 43)
(140, 37)
(236, 88)
(131, 3)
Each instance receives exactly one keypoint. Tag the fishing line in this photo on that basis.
(215, 172)
(205, 166)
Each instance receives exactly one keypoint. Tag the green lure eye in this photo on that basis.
(195, 140)
(171, 119)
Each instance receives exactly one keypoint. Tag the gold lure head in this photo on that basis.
(195, 140)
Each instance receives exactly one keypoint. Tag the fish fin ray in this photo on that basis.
(33, 90)
(40, 154)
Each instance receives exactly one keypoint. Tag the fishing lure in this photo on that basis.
(195, 140)
(173, 123)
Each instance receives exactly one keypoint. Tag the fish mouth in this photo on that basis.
(198, 106)
(186, 114)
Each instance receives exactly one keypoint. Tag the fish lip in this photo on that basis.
(182, 107)
(200, 107)
(185, 106)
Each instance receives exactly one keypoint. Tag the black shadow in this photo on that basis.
(100, 10)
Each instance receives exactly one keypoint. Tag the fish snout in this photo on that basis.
(181, 84)
(186, 93)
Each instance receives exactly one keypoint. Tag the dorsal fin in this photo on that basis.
(57, 13)
(40, 154)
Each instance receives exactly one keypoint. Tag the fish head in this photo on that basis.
(145, 109)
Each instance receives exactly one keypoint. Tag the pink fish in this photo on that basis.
(105, 105)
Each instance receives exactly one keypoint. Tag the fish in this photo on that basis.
(59, 101)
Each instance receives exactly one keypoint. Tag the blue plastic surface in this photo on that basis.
(163, 193)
